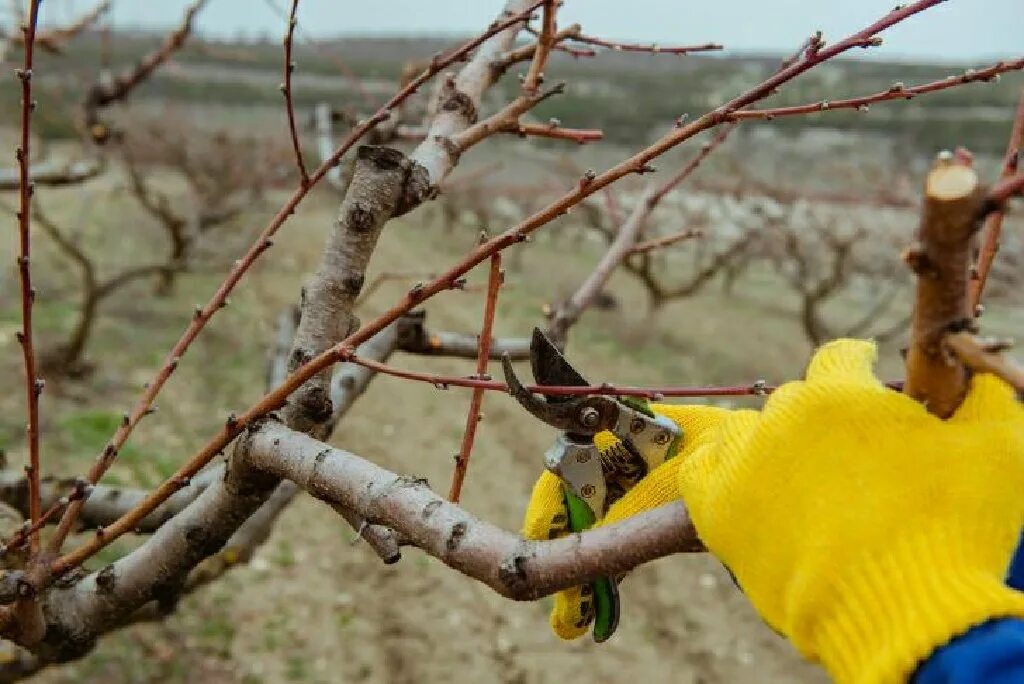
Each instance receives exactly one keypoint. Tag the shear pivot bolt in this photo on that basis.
(587, 491)
(636, 425)
(662, 438)
(589, 416)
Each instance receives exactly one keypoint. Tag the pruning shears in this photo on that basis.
(593, 480)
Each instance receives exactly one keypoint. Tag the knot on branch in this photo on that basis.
(415, 190)
(383, 158)
(314, 404)
(512, 573)
(460, 103)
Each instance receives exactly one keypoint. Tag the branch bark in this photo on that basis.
(515, 568)
(941, 257)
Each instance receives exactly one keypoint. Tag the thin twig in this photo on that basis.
(653, 48)
(546, 40)
(896, 91)
(683, 173)
(51, 40)
(444, 382)
(983, 357)
(340, 64)
(664, 241)
(1002, 191)
(286, 88)
(638, 163)
(473, 418)
(33, 383)
(994, 223)
(105, 93)
(263, 243)
(553, 130)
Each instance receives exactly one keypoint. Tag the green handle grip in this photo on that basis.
(606, 593)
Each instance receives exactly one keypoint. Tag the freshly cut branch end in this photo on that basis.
(941, 258)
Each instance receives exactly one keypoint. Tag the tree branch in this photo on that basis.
(106, 92)
(286, 90)
(508, 564)
(940, 257)
(54, 174)
(33, 383)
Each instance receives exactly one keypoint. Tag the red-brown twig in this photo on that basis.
(286, 89)
(653, 48)
(553, 130)
(473, 418)
(444, 382)
(525, 52)
(546, 40)
(218, 300)
(340, 64)
(664, 241)
(33, 384)
(994, 223)
(895, 92)
(53, 39)
(1002, 191)
(638, 163)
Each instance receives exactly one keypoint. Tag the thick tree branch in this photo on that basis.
(953, 199)
(508, 564)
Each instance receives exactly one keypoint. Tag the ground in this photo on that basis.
(314, 607)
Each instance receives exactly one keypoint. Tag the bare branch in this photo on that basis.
(664, 241)
(473, 417)
(415, 338)
(940, 257)
(52, 40)
(994, 223)
(652, 48)
(986, 357)
(104, 504)
(106, 92)
(54, 174)
(286, 89)
(33, 383)
(569, 312)
(513, 567)
(895, 92)
(546, 40)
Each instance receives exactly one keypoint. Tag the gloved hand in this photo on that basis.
(546, 517)
(863, 528)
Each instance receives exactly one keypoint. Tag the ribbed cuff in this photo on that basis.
(891, 611)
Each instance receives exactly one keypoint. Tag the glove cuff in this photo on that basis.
(889, 613)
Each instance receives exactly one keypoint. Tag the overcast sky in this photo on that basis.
(955, 30)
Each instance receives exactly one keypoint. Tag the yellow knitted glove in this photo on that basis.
(546, 517)
(863, 528)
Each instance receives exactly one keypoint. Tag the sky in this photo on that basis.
(956, 30)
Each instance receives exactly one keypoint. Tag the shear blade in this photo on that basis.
(559, 415)
(550, 367)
